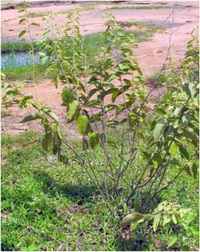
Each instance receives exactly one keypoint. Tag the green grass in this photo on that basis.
(24, 72)
(45, 206)
(92, 46)
(151, 27)
(34, 14)
(142, 7)
(49, 206)
(15, 46)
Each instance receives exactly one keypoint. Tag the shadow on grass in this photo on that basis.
(75, 192)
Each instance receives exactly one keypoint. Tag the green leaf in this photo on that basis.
(82, 124)
(166, 220)
(157, 130)
(156, 221)
(173, 148)
(129, 218)
(35, 24)
(73, 106)
(31, 247)
(172, 240)
(67, 95)
(21, 10)
(162, 205)
(190, 218)
(93, 140)
(194, 170)
(115, 95)
(184, 152)
(22, 20)
(31, 117)
(194, 230)
(134, 225)
(22, 33)
(174, 219)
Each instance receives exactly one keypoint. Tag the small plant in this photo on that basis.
(133, 166)
(169, 218)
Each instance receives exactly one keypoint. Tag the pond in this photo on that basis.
(19, 59)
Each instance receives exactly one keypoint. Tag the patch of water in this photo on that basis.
(13, 60)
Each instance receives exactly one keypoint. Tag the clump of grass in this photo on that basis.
(151, 27)
(34, 14)
(15, 46)
(147, 7)
(24, 72)
(148, 26)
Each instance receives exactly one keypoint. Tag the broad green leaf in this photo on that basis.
(157, 130)
(22, 20)
(31, 247)
(93, 140)
(166, 220)
(82, 124)
(173, 148)
(67, 95)
(22, 33)
(174, 219)
(115, 95)
(194, 170)
(194, 230)
(31, 117)
(184, 152)
(156, 222)
(190, 218)
(129, 218)
(35, 24)
(172, 240)
(73, 106)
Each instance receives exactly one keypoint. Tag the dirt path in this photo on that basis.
(150, 55)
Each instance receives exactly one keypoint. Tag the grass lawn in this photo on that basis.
(47, 205)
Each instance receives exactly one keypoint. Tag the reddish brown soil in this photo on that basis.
(151, 55)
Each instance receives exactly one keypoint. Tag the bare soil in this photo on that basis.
(151, 55)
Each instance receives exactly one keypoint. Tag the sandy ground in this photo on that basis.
(151, 55)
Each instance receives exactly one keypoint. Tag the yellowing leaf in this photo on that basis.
(156, 222)
(93, 140)
(82, 124)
